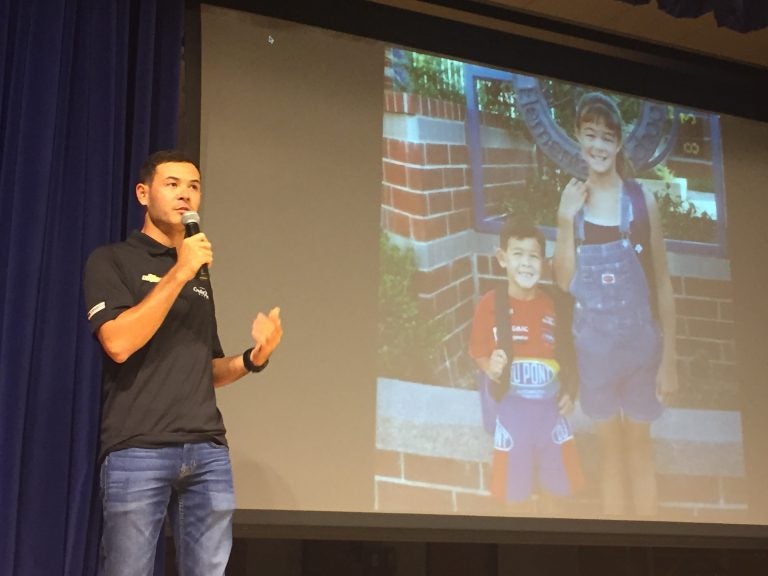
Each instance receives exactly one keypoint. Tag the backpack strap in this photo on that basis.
(642, 228)
(640, 220)
(565, 350)
(503, 339)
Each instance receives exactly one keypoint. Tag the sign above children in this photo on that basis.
(641, 145)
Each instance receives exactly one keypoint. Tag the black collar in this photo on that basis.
(138, 239)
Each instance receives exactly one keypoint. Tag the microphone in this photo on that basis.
(191, 221)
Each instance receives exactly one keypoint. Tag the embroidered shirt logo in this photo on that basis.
(150, 278)
(98, 308)
(201, 291)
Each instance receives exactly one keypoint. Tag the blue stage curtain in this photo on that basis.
(739, 15)
(87, 89)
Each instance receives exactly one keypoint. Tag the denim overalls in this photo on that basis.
(618, 343)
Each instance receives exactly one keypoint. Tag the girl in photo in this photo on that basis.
(610, 256)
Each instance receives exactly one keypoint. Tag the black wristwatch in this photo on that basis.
(250, 366)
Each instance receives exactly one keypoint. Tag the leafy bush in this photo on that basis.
(681, 220)
(539, 201)
(434, 77)
(408, 344)
(442, 78)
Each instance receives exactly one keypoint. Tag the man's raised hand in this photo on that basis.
(266, 331)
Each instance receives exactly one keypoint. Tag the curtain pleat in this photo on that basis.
(87, 89)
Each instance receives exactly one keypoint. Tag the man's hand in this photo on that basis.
(193, 253)
(267, 331)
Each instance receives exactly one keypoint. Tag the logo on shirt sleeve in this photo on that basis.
(96, 309)
(150, 278)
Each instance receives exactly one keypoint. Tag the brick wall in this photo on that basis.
(705, 343)
(427, 198)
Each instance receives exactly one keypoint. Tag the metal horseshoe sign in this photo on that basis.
(645, 146)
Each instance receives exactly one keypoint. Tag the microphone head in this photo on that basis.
(190, 217)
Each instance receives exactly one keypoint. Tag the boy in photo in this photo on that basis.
(516, 343)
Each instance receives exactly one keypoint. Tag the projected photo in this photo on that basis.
(555, 331)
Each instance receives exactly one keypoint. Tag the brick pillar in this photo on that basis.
(427, 203)
(426, 199)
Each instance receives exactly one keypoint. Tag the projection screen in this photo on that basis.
(361, 186)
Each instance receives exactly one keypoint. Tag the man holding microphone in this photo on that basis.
(163, 445)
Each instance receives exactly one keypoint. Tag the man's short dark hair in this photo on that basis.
(147, 171)
(521, 228)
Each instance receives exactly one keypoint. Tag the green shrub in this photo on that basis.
(680, 220)
(409, 345)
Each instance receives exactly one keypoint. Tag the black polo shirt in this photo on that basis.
(162, 394)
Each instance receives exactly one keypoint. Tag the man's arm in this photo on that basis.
(266, 331)
(134, 327)
(227, 370)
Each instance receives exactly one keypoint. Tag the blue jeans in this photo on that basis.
(192, 482)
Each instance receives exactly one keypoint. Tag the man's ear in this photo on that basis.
(142, 190)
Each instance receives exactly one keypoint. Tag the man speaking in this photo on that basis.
(163, 445)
